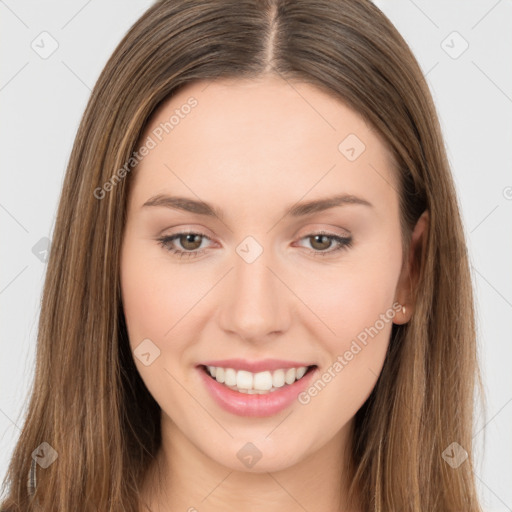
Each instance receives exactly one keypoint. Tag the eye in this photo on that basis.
(191, 241)
(188, 240)
(322, 241)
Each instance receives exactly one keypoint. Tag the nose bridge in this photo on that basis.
(254, 304)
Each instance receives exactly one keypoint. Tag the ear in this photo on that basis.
(408, 280)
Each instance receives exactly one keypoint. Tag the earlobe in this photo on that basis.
(407, 283)
(402, 316)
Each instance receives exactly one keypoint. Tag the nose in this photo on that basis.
(255, 303)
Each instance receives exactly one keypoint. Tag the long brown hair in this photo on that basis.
(88, 401)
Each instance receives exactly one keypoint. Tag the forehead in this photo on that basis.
(268, 136)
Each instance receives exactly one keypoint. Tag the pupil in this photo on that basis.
(319, 238)
(190, 238)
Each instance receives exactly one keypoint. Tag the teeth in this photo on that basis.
(243, 380)
(219, 374)
(301, 371)
(256, 383)
(230, 377)
(262, 381)
(289, 376)
(278, 379)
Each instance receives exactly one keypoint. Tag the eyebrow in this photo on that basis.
(295, 210)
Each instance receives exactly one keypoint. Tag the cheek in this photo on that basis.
(153, 298)
(355, 303)
(352, 297)
(153, 304)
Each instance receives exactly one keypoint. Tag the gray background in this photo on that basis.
(42, 100)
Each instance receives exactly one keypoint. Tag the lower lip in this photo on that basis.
(243, 404)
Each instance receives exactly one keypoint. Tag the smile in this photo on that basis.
(256, 383)
(259, 394)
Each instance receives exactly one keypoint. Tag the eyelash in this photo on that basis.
(343, 243)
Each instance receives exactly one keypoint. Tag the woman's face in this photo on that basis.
(259, 282)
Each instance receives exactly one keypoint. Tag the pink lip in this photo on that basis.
(243, 404)
(256, 366)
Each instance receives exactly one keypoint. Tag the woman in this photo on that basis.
(245, 372)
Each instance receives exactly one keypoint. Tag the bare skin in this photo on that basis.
(254, 149)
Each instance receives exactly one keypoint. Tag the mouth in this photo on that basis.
(256, 383)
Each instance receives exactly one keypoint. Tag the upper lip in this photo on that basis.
(256, 366)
